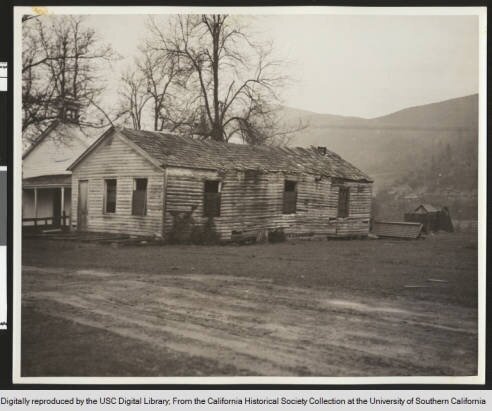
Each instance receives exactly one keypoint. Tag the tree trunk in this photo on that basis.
(217, 133)
(156, 117)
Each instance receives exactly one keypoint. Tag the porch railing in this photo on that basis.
(61, 221)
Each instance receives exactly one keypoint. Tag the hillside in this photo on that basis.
(456, 113)
(424, 153)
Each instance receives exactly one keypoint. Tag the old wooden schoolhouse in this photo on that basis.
(146, 183)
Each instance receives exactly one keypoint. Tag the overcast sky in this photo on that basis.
(350, 65)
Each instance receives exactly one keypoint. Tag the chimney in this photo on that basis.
(322, 150)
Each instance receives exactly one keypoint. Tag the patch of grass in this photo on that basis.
(377, 267)
(92, 353)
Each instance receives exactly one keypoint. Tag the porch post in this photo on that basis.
(35, 202)
(62, 208)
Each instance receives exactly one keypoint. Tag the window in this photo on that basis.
(290, 197)
(211, 199)
(343, 201)
(110, 196)
(139, 199)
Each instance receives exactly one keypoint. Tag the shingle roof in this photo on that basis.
(179, 151)
(428, 207)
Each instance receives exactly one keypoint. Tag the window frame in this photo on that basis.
(105, 200)
(135, 185)
(287, 207)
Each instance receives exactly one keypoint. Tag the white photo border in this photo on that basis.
(480, 12)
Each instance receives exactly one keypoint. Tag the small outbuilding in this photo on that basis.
(165, 185)
(432, 218)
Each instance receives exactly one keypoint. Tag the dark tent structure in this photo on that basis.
(432, 218)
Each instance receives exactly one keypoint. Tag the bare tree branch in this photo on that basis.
(60, 62)
(237, 79)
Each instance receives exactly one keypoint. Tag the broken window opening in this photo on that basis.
(211, 198)
(290, 197)
(139, 198)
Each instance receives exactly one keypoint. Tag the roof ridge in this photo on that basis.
(174, 149)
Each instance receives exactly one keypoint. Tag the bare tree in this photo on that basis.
(233, 82)
(60, 61)
(152, 92)
(134, 97)
(160, 74)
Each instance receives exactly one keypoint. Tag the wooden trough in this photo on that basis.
(397, 229)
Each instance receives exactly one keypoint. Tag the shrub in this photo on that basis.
(183, 225)
(205, 234)
(277, 236)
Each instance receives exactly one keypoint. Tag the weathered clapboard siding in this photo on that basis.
(254, 202)
(118, 160)
(360, 200)
(252, 197)
(350, 227)
(184, 193)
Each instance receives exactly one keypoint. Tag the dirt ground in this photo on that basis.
(319, 308)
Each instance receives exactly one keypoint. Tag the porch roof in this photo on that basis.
(52, 181)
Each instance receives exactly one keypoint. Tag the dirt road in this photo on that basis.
(252, 326)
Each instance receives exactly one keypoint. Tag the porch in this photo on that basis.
(46, 202)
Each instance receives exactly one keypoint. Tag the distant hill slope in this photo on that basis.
(427, 149)
(387, 147)
(459, 112)
(291, 115)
